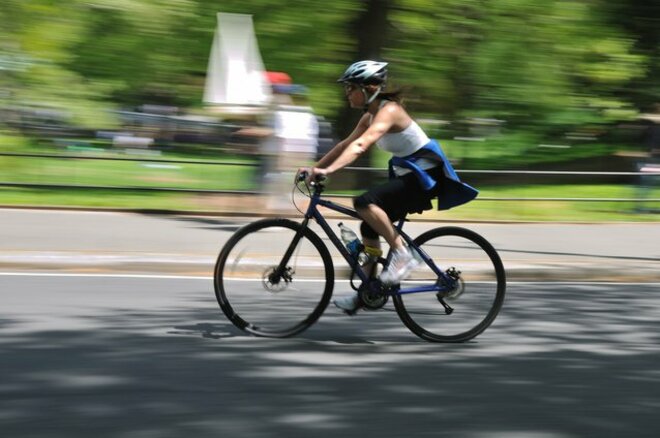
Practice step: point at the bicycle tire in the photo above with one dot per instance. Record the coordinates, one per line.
(234, 295)
(430, 321)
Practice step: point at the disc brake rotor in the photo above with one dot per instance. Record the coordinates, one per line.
(276, 284)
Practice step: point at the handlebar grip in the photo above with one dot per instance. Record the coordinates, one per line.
(302, 176)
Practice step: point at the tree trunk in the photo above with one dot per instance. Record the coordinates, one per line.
(370, 31)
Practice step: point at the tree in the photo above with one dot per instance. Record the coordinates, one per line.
(640, 20)
(542, 65)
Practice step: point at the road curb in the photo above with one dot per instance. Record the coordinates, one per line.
(296, 215)
(202, 266)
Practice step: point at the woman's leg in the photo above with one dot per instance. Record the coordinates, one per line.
(379, 207)
(380, 222)
(373, 250)
(382, 205)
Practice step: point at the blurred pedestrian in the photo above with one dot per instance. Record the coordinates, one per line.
(294, 140)
(419, 170)
(650, 166)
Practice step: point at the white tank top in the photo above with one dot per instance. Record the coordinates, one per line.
(404, 143)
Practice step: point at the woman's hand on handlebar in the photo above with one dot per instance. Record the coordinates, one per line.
(318, 174)
(302, 174)
(311, 175)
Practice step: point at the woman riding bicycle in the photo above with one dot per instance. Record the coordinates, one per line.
(419, 170)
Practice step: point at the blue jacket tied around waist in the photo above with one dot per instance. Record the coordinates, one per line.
(452, 191)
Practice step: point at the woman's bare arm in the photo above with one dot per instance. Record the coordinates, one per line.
(381, 124)
(336, 151)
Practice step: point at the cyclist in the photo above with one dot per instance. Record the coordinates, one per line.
(419, 170)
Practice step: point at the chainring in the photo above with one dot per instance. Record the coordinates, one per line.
(373, 296)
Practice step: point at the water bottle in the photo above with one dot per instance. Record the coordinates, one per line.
(350, 239)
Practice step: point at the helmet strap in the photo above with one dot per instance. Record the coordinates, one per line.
(369, 99)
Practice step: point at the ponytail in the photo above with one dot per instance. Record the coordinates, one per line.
(393, 96)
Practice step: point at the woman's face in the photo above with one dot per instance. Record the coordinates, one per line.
(354, 95)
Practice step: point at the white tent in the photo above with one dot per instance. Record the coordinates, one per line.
(235, 79)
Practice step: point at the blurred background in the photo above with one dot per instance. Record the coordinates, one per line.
(550, 107)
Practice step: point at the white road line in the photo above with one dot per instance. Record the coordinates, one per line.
(203, 277)
(587, 283)
(60, 274)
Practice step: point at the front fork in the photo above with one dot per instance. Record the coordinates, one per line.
(282, 271)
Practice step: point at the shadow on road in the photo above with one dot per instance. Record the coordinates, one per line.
(570, 363)
(207, 223)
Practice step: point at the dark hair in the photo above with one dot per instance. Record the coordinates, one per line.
(394, 96)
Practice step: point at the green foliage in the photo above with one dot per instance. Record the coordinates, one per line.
(541, 65)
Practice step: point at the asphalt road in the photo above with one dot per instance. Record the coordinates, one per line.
(122, 356)
(118, 353)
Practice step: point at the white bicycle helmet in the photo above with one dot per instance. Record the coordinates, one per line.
(365, 73)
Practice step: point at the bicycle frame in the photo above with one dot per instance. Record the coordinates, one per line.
(314, 213)
(283, 256)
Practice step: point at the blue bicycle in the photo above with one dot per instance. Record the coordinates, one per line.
(275, 277)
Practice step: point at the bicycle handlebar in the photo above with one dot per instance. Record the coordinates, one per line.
(302, 176)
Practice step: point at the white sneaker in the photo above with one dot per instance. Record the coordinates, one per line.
(349, 304)
(402, 263)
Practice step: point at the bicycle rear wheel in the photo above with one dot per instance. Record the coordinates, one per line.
(476, 298)
(260, 299)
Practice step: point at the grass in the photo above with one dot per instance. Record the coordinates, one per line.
(557, 210)
(572, 210)
(97, 199)
(477, 210)
(126, 173)
(229, 177)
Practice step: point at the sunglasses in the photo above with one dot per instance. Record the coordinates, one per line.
(349, 88)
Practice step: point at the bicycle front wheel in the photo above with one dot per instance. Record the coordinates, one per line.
(263, 296)
(475, 298)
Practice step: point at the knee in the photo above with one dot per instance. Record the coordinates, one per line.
(361, 202)
(368, 232)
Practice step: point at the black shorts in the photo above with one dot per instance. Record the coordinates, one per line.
(399, 197)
